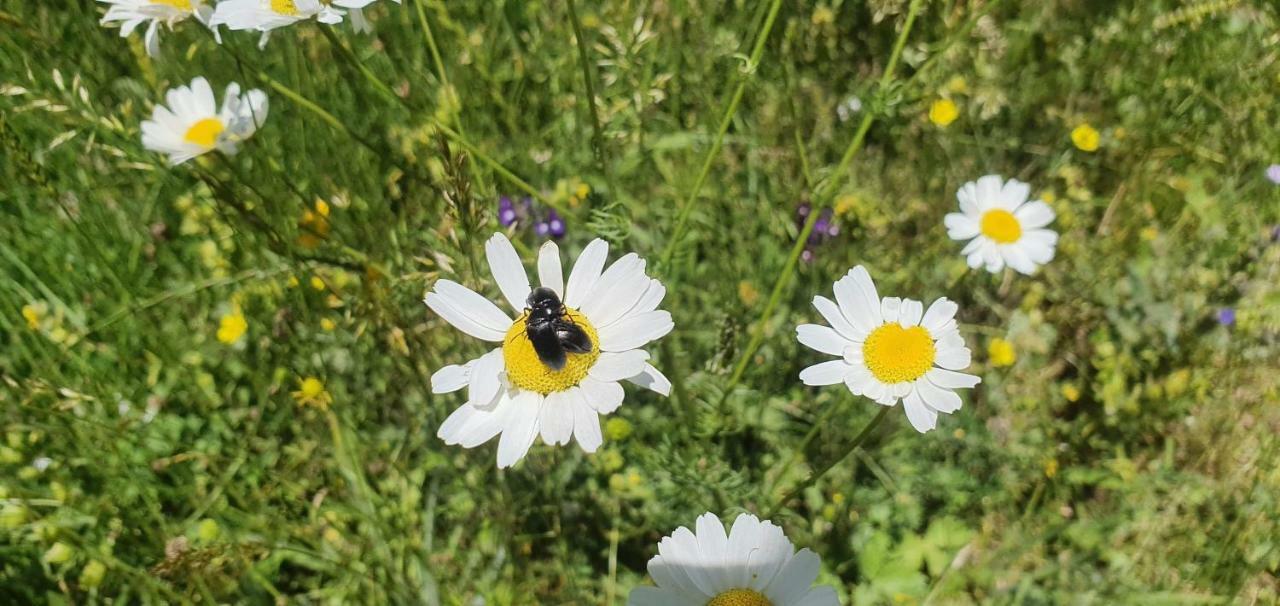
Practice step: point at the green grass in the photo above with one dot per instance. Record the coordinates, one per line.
(181, 468)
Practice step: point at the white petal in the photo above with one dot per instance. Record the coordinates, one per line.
(485, 382)
(1016, 258)
(586, 270)
(967, 195)
(822, 338)
(1033, 215)
(948, 379)
(1014, 193)
(822, 595)
(937, 398)
(507, 271)
(549, 272)
(652, 379)
(469, 426)
(463, 320)
(859, 380)
(939, 316)
(921, 417)
(825, 373)
(954, 358)
(713, 544)
(586, 424)
(831, 313)
(616, 366)
(521, 428)
(450, 378)
(910, 312)
(555, 421)
(655, 596)
(858, 300)
(1039, 245)
(889, 308)
(650, 300)
(772, 552)
(960, 226)
(795, 578)
(604, 396)
(988, 193)
(474, 304)
(635, 331)
(617, 291)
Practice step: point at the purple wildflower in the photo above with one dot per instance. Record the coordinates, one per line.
(1227, 316)
(1273, 173)
(551, 226)
(506, 212)
(824, 228)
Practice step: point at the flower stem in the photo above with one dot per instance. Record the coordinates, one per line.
(749, 70)
(597, 131)
(822, 199)
(857, 442)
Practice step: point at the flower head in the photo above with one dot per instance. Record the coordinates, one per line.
(825, 227)
(943, 112)
(1085, 138)
(311, 392)
(1001, 226)
(551, 226)
(520, 391)
(191, 125)
(506, 212)
(1227, 316)
(1273, 173)
(753, 564)
(266, 15)
(1001, 352)
(232, 326)
(890, 349)
(132, 13)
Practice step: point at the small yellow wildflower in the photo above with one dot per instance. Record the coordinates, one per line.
(328, 324)
(314, 225)
(92, 574)
(1001, 352)
(311, 392)
(32, 314)
(1085, 137)
(943, 112)
(232, 326)
(1051, 468)
(845, 204)
(1071, 392)
(292, 282)
(317, 283)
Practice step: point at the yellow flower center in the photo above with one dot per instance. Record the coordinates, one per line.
(311, 388)
(740, 597)
(527, 371)
(178, 4)
(895, 354)
(284, 7)
(1001, 226)
(205, 132)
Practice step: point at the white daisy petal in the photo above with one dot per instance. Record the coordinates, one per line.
(604, 396)
(507, 271)
(831, 313)
(825, 373)
(585, 272)
(922, 418)
(635, 331)
(550, 274)
(617, 291)
(650, 300)
(655, 596)
(480, 309)
(822, 338)
(450, 378)
(1016, 257)
(1034, 215)
(652, 379)
(617, 366)
(940, 316)
(822, 595)
(988, 193)
(484, 382)
(795, 578)
(960, 226)
(910, 312)
(948, 379)
(586, 424)
(858, 300)
(469, 426)
(521, 428)
(955, 358)
(555, 421)
(889, 308)
(713, 544)
(858, 380)
(937, 398)
(1014, 193)
(446, 308)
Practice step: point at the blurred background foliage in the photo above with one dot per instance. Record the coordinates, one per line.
(213, 378)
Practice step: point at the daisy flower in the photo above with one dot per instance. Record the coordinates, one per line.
(890, 349)
(754, 564)
(191, 125)
(132, 13)
(1001, 226)
(511, 391)
(267, 15)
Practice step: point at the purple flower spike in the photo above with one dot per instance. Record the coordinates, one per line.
(555, 225)
(1227, 316)
(506, 212)
(1273, 173)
